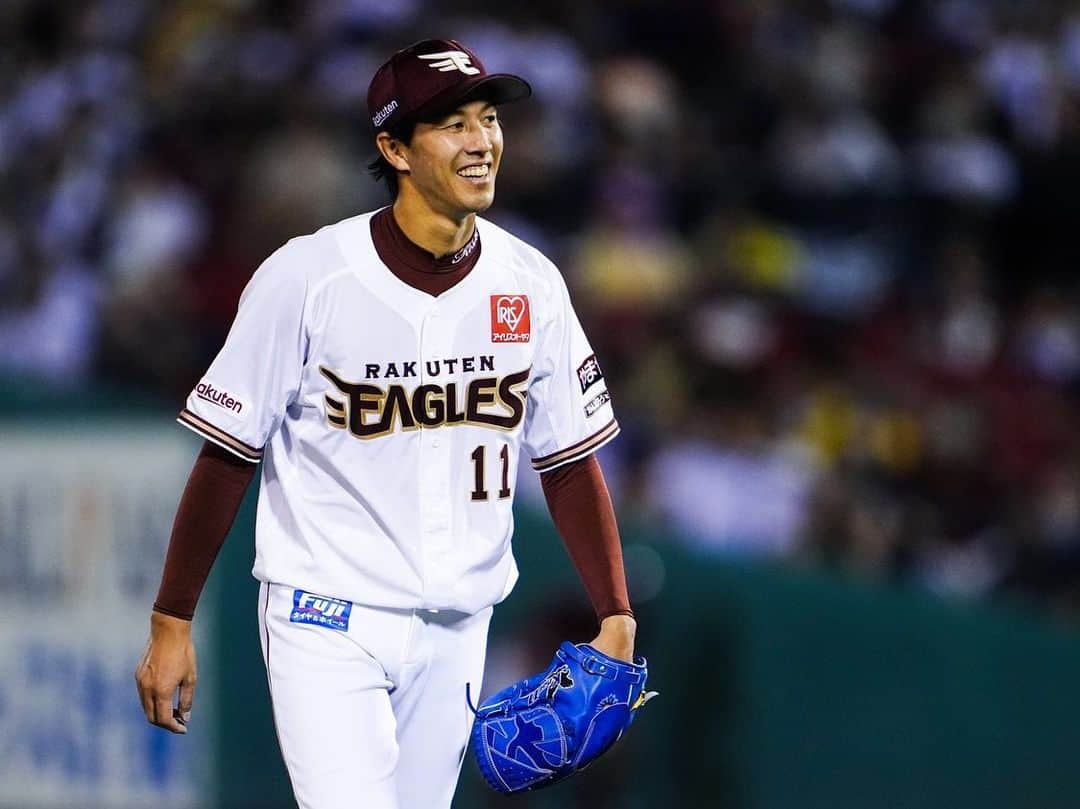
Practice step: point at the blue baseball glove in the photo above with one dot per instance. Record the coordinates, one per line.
(544, 728)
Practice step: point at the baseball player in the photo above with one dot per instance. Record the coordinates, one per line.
(386, 371)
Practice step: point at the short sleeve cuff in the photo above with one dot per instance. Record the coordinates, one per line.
(575, 452)
(219, 436)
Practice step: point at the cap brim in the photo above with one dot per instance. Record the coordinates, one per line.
(497, 88)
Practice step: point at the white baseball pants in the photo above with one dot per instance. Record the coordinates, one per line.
(375, 716)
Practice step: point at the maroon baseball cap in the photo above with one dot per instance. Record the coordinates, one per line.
(432, 77)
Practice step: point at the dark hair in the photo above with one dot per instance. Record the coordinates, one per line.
(380, 169)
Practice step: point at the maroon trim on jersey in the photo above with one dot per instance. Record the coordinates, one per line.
(207, 509)
(413, 264)
(219, 436)
(577, 451)
(578, 499)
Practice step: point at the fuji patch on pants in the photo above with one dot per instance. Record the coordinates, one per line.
(309, 608)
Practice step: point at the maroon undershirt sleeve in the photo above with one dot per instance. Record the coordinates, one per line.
(207, 509)
(580, 505)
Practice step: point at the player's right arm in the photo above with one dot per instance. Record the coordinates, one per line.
(166, 674)
(235, 407)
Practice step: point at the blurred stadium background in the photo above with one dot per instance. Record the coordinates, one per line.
(827, 252)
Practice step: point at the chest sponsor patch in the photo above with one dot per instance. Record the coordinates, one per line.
(589, 373)
(510, 321)
(597, 402)
(309, 608)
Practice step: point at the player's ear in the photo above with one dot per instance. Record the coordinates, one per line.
(392, 150)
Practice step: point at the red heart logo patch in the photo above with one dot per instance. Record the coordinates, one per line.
(510, 321)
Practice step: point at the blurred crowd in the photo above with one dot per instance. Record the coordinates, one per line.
(825, 249)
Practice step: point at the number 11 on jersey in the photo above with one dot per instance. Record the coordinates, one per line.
(480, 491)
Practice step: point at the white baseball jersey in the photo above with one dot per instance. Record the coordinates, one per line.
(389, 421)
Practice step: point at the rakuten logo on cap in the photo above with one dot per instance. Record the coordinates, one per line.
(384, 113)
(510, 321)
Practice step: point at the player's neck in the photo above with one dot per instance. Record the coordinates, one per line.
(437, 233)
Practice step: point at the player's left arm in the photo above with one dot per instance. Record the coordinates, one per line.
(568, 418)
(580, 505)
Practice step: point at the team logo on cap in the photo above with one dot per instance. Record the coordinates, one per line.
(510, 321)
(451, 60)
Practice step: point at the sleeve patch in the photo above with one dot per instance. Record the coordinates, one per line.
(218, 397)
(597, 402)
(589, 374)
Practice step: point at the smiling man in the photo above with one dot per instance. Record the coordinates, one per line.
(386, 371)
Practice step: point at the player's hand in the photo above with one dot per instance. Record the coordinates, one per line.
(167, 664)
(616, 638)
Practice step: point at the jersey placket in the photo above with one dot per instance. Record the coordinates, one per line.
(436, 334)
